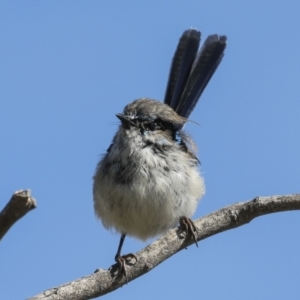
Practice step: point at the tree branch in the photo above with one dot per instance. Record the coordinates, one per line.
(18, 206)
(105, 281)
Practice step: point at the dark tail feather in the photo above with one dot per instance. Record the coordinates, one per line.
(206, 63)
(201, 71)
(181, 66)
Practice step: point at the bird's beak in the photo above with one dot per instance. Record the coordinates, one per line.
(126, 121)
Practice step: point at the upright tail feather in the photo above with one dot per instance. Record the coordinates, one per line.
(190, 72)
(181, 66)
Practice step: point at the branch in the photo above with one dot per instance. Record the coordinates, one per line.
(18, 206)
(105, 281)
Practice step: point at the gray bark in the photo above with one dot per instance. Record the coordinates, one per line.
(175, 240)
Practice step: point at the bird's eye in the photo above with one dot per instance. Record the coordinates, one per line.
(154, 125)
(151, 126)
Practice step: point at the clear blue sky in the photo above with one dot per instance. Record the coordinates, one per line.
(66, 68)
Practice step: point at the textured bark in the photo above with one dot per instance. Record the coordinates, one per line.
(17, 207)
(105, 281)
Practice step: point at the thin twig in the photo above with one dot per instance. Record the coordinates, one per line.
(17, 207)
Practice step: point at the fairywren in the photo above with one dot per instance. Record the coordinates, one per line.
(149, 179)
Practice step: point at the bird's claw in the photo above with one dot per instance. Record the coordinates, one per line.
(189, 227)
(122, 261)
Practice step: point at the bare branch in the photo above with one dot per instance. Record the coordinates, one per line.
(105, 281)
(18, 206)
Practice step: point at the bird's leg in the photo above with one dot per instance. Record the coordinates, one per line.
(189, 227)
(121, 259)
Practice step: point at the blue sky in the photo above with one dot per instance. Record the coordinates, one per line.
(67, 67)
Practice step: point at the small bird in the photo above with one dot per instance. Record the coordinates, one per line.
(149, 179)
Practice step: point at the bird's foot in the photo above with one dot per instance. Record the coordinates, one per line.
(123, 261)
(189, 227)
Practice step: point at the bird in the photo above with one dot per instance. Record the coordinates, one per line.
(148, 181)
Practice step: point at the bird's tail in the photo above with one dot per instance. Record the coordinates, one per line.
(191, 70)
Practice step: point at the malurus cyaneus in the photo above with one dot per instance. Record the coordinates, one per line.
(149, 179)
